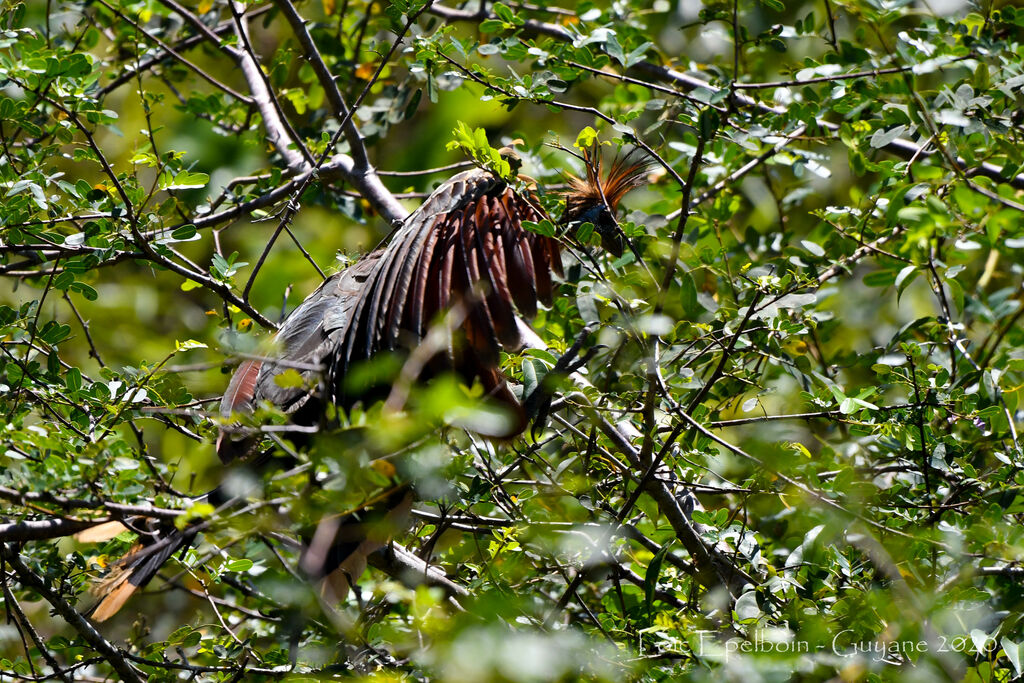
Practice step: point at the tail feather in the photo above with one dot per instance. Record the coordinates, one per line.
(159, 540)
(337, 554)
(337, 584)
(136, 569)
(114, 600)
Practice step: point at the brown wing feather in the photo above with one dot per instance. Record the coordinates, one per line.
(418, 306)
(347, 347)
(522, 278)
(241, 388)
(480, 332)
(113, 599)
(449, 251)
(390, 295)
(494, 253)
(467, 235)
(489, 222)
(541, 255)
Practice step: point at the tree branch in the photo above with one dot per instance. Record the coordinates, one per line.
(35, 530)
(904, 149)
(170, 51)
(89, 634)
(712, 568)
(327, 81)
(116, 509)
(279, 131)
(160, 56)
(396, 561)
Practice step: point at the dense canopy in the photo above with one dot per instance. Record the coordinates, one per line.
(775, 411)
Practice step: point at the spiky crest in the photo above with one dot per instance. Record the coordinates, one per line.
(626, 173)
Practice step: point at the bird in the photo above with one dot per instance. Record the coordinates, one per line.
(466, 247)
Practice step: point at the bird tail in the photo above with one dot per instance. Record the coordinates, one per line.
(158, 541)
(338, 553)
(137, 568)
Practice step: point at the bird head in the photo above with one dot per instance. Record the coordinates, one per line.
(594, 199)
(511, 156)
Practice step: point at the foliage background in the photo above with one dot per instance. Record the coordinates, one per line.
(794, 451)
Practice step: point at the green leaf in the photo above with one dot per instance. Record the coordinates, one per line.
(883, 137)
(707, 123)
(73, 380)
(503, 12)
(543, 355)
(530, 376)
(188, 345)
(614, 50)
(586, 303)
(637, 54)
(651, 578)
(183, 180)
(85, 290)
(289, 379)
(1013, 652)
(185, 232)
(904, 278)
(122, 464)
(475, 144)
(813, 247)
(544, 227)
(584, 232)
(746, 608)
(687, 292)
(239, 565)
(63, 280)
(586, 138)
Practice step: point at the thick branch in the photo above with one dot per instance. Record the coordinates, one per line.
(273, 121)
(35, 530)
(398, 562)
(116, 509)
(355, 170)
(326, 78)
(709, 562)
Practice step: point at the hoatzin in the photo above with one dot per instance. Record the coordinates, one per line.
(464, 246)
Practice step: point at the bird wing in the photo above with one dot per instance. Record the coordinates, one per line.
(466, 244)
(303, 342)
